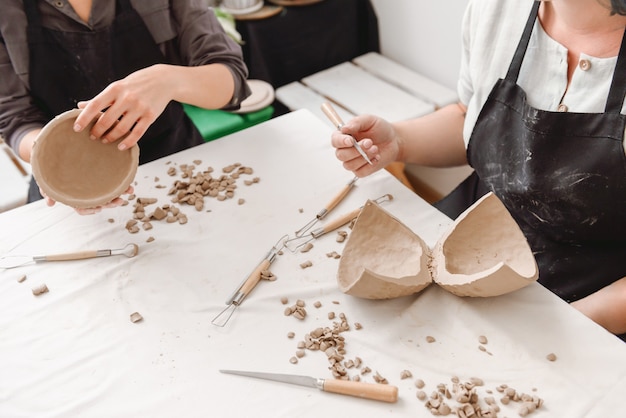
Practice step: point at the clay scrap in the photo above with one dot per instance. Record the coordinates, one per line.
(484, 253)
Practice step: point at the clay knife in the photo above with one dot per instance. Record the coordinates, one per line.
(374, 391)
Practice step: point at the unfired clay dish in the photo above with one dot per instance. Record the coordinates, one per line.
(484, 253)
(80, 172)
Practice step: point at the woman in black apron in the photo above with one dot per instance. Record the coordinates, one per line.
(68, 67)
(569, 197)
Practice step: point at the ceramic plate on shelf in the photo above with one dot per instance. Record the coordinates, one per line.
(264, 12)
(262, 96)
(243, 11)
(294, 2)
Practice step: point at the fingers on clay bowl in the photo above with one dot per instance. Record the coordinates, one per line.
(382, 258)
(80, 172)
(484, 253)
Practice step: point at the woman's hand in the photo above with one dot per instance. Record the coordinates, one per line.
(377, 138)
(118, 201)
(127, 107)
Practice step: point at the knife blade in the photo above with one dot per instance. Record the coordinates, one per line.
(374, 391)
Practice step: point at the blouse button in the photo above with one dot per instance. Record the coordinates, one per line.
(58, 3)
(562, 108)
(584, 65)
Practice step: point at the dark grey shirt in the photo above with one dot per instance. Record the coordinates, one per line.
(186, 31)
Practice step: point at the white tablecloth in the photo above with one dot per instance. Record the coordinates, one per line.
(73, 352)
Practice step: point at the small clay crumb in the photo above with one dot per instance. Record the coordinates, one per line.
(482, 339)
(430, 339)
(300, 210)
(293, 360)
(241, 201)
(110, 220)
(421, 395)
(306, 247)
(291, 334)
(419, 383)
(21, 278)
(306, 264)
(284, 300)
(551, 357)
(357, 325)
(317, 304)
(336, 302)
(341, 236)
(405, 374)
(135, 317)
(39, 290)
(150, 239)
(300, 353)
(331, 315)
(379, 379)
(333, 254)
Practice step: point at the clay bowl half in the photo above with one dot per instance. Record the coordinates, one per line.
(80, 172)
(382, 258)
(484, 253)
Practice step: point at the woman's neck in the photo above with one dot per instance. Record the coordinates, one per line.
(583, 26)
(82, 9)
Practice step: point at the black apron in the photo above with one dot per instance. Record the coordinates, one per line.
(562, 176)
(68, 67)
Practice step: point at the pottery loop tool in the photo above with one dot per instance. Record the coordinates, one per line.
(12, 261)
(296, 243)
(248, 284)
(330, 206)
(373, 391)
(334, 117)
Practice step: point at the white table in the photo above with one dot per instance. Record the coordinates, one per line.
(73, 352)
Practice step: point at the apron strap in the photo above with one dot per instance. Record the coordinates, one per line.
(618, 86)
(124, 5)
(516, 62)
(32, 13)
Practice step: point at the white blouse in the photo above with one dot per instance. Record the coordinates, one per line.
(491, 32)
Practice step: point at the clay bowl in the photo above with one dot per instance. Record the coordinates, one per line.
(80, 172)
(484, 253)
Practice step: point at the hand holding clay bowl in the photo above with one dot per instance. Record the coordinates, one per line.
(80, 172)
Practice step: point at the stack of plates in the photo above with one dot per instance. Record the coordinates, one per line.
(262, 96)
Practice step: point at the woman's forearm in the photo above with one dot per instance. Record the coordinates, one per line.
(607, 306)
(435, 139)
(209, 86)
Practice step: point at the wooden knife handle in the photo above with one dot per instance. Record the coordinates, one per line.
(374, 391)
(336, 200)
(341, 221)
(332, 114)
(81, 255)
(254, 277)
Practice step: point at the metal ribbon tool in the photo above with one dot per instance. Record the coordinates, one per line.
(329, 227)
(330, 206)
(13, 261)
(248, 284)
